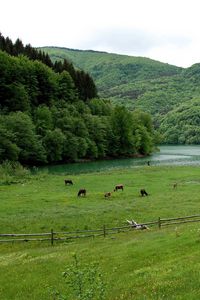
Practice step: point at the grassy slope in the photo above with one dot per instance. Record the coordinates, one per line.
(137, 265)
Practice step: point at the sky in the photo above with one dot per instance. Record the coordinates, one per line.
(164, 30)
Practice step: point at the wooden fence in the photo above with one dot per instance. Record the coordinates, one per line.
(53, 236)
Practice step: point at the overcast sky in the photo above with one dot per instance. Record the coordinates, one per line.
(164, 30)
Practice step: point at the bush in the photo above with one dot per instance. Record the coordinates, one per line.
(84, 281)
(12, 172)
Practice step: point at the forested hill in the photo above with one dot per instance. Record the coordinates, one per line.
(50, 113)
(110, 70)
(170, 94)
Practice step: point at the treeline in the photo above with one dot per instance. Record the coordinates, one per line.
(43, 119)
(84, 83)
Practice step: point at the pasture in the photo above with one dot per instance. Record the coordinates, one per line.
(154, 264)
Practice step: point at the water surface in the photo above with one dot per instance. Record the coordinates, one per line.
(168, 155)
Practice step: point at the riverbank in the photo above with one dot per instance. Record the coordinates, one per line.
(166, 156)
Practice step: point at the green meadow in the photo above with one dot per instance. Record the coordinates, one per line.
(149, 264)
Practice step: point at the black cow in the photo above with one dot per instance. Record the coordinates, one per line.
(143, 192)
(68, 181)
(82, 192)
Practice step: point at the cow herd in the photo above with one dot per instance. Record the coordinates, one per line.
(82, 192)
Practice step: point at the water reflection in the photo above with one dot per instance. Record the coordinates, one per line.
(168, 155)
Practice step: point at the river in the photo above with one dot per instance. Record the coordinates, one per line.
(168, 155)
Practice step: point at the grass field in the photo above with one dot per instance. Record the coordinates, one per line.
(154, 264)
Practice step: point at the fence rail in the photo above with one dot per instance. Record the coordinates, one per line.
(65, 236)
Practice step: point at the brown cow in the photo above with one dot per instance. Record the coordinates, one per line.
(108, 194)
(82, 192)
(119, 187)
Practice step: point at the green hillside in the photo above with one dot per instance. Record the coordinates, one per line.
(50, 112)
(110, 70)
(137, 82)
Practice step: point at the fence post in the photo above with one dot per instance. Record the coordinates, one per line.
(104, 230)
(159, 223)
(51, 237)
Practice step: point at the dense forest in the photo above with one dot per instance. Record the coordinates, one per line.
(50, 112)
(165, 91)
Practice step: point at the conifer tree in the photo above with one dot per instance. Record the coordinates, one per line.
(18, 47)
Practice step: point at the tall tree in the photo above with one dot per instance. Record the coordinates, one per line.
(18, 47)
(66, 87)
(47, 84)
(29, 144)
(54, 143)
(121, 123)
(85, 85)
(8, 148)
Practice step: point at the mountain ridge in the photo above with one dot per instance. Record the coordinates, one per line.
(106, 52)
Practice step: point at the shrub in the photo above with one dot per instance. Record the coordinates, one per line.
(12, 172)
(84, 281)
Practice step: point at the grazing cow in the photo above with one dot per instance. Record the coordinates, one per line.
(137, 226)
(82, 192)
(108, 194)
(143, 192)
(119, 187)
(68, 181)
